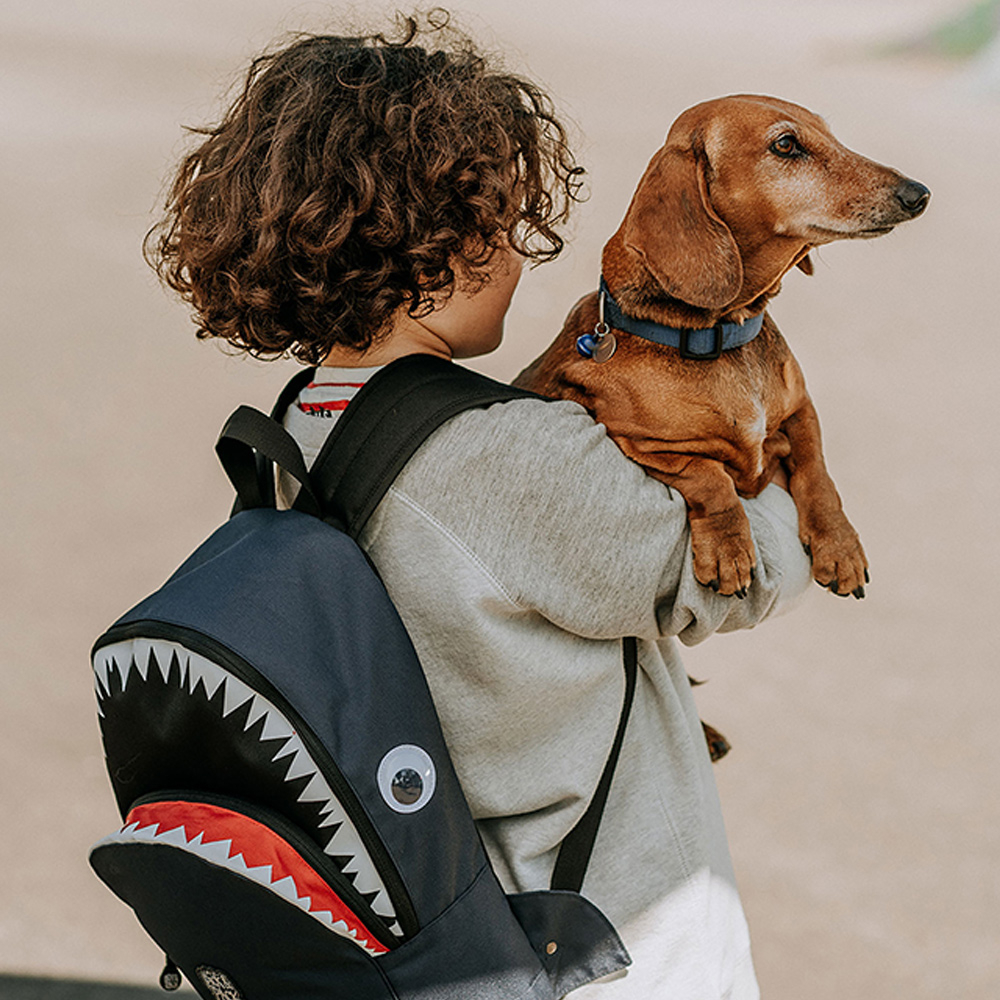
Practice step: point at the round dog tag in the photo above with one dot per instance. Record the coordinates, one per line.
(606, 348)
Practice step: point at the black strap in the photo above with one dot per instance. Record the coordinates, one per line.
(248, 431)
(385, 423)
(574, 853)
(294, 386)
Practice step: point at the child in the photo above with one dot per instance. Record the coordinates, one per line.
(364, 199)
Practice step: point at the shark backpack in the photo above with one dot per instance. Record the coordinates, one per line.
(293, 828)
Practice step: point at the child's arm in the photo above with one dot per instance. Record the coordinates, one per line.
(574, 531)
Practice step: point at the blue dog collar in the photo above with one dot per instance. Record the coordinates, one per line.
(704, 344)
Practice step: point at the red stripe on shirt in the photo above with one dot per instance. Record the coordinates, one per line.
(334, 404)
(339, 385)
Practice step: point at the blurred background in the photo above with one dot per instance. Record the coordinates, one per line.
(862, 794)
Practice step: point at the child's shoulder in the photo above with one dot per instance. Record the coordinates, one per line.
(522, 448)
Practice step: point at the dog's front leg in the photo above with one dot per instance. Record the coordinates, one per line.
(721, 540)
(838, 560)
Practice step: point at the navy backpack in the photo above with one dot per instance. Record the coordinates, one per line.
(293, 826)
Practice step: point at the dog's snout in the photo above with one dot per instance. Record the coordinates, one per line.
(913, 196)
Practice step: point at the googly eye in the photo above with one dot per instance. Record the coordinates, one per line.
(406, 778)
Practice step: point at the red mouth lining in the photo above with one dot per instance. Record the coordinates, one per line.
(259, 845)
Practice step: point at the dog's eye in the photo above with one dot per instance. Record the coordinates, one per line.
(787, 146)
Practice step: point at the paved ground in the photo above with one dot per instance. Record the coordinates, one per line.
(861, 797)
(42, 988)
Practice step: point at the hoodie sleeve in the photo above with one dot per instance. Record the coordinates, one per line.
(572, 530)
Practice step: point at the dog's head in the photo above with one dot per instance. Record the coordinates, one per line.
(743, 188)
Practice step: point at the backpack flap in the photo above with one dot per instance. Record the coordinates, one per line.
(244, 913)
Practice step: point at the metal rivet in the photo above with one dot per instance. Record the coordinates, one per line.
(550, 948)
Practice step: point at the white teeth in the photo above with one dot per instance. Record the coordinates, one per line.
(118, 656)
(202, 669)
(141, 648)
(196, 669)
(177, 837)
(300, 766)
(383, 907)
(317, 790)
(236, 694)
(332, 814)
(236, 862)
(218, 851)
(275, 726)
(257, 709)
(286, 887)
(262, 874)
(103, 661)
(395, 928)
(367, 878)
(293, 745)
(344, 842)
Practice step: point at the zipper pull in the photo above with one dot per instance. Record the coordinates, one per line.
(170, 977)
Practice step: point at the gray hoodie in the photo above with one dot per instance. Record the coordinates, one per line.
(519, 545)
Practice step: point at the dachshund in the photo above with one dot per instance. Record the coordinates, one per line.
(676, 354)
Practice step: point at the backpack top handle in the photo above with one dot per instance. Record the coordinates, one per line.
(246, 432)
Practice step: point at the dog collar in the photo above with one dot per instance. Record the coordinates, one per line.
(705, 344)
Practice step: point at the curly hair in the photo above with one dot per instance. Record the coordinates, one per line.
(355, 175)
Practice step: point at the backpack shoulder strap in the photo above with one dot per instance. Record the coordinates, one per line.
(385, 423)
(578, 845)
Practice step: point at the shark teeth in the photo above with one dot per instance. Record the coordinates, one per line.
(221, 854)
(125, 660)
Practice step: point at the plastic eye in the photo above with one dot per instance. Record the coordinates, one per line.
(406, 778)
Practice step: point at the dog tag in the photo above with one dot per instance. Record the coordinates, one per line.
(605, 348)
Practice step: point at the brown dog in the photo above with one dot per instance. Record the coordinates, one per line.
(743, 189)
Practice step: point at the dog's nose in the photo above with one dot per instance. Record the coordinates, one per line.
(913, 196)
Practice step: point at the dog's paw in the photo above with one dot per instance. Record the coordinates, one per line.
(718, 745)
(724, 557)
(838, 560)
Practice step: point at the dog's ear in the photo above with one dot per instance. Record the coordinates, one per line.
(805, 264)
(672, 226)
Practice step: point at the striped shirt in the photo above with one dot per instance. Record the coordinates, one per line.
(320, 403)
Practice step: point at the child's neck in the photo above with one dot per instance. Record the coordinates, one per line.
(407, 336)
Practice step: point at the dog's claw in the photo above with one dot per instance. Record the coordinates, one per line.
(714, 584)
(868, 579)
(858, 592)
